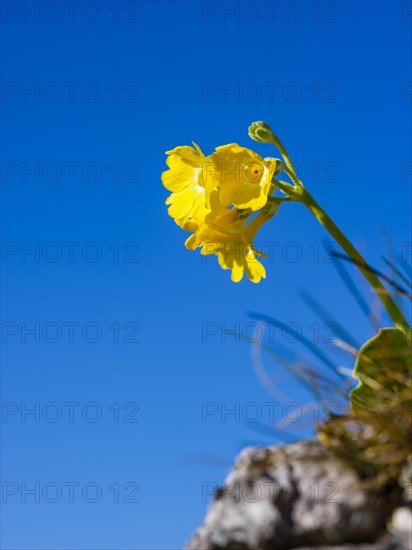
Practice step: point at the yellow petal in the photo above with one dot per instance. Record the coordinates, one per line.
(192, 242)
(181, 203)
(185, 166)
(254, 269)
(237, 272)
(243, 177)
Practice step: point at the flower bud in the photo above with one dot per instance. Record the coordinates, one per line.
(262, 132)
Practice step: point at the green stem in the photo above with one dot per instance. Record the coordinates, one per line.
(299, 193)
(390, 305)
(285, 187)
(289, 169)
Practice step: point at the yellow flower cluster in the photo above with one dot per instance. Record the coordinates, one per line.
(214, 196)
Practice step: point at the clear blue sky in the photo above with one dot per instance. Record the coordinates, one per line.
(128, 323)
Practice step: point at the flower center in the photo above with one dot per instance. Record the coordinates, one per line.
(253, 172)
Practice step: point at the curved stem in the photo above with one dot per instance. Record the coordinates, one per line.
(390, 305)
(285, 187)
(282, 149)
(290, 171)
(299, 193)
(288, 168)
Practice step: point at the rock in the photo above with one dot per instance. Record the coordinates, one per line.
(405, 481)
(401, 527)
(291, 496)
(402, 520)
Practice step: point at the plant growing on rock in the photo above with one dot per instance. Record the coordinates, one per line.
(223, 200)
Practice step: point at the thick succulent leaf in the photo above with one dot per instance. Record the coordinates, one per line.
(384, 370)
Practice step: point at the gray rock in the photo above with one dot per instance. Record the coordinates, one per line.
(291, 496)
(406, 482)
(401, 528)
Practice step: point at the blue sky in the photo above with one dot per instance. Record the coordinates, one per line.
(127, 365)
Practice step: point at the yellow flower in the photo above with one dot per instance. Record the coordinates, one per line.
(185, 180)
(227, 236)
(242, 176)
(214, 196)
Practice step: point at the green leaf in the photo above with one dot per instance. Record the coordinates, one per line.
(383, 368)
